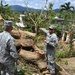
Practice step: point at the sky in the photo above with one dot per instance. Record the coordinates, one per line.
(38, 4)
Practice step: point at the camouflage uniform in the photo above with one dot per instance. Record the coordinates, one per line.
(50, 50)
(8, 54)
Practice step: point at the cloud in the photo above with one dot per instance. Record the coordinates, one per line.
(73, 3)
(14, 2)
(38, 4)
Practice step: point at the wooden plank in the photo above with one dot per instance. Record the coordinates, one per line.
(61, 70)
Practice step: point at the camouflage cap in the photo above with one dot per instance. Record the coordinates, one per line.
(52, 27)
(8, 23)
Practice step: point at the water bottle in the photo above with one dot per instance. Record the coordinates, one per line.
(18, 68)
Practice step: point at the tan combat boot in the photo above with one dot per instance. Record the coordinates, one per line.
(46, 72)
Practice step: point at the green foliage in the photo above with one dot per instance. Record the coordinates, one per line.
(28, 68)
(5, 16)
(66, 10)
(41, 47)
(24, 71)
(62, 54)
(21, 72)
(1, 29)
(66, 62)
(65, 54)
(67, 7)
(50, 6)
(5, 10)
(59, 30)
(1, 26)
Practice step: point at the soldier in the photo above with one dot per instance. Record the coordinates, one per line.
(8, 53)
(50, 48)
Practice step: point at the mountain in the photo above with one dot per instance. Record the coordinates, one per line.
(21, 8)
(57, 10)
(27, 9)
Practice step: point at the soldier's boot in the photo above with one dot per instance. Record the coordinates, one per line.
(52, 74)
(46, 72)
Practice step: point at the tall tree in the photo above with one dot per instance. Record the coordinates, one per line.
(67, 9)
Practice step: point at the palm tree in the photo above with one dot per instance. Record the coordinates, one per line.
(66, 7)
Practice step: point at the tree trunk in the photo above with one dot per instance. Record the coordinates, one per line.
(68, 38)
(63, 36)
(41, 64)
(31, 56)
(24, 42)
(34, 57)
(22, 34)
(38, 50)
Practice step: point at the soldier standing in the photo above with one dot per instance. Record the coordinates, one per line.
(50, 48)
(8, 53)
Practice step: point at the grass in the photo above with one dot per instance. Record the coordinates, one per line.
(28, 68)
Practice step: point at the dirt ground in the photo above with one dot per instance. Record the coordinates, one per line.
(68, 64)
